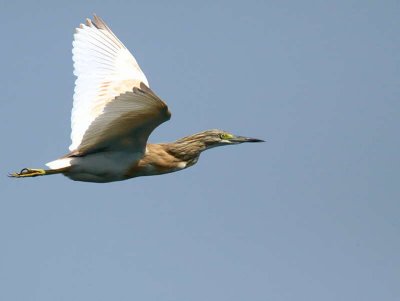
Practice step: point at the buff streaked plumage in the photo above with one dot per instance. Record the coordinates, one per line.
(114, 112)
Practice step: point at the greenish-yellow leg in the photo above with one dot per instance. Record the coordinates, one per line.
(28, 172)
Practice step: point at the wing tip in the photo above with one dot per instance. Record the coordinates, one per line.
(96, 22)
(99, 22)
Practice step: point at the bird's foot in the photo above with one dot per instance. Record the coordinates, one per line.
(27, 172)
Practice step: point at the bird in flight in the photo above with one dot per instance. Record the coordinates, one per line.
(114, 112)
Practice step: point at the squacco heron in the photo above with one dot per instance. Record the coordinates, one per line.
(114, 112)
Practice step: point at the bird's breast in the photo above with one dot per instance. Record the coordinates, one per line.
(155, 161)
(144, 168)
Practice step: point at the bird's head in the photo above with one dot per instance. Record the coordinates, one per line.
(213, 138)
(191, 146)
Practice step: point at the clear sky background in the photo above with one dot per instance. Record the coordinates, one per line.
(312, 214)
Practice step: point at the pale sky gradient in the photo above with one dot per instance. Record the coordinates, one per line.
(312, 214)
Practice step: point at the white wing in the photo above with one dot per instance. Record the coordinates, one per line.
(124, 126)
(104, 70)
(126, 123)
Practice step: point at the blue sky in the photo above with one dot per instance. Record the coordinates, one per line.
(312, 214)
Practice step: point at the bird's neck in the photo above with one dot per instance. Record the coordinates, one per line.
(187, 149)
(168, 157)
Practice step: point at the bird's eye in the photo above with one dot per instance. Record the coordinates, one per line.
(225, 136)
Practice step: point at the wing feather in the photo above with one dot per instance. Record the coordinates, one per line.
(104, 70)
(126, 123)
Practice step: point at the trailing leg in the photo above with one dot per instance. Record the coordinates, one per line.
(28, 172)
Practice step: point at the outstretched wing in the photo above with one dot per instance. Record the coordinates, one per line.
(126, 123)
(104, 69)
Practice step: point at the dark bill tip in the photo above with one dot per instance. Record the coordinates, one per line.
(254, 140)
(241, 139)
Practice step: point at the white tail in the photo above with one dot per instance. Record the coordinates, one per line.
(59, 163)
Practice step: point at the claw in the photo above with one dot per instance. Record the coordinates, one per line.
(24, 171)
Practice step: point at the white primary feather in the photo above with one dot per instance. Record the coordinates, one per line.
(104, 70)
